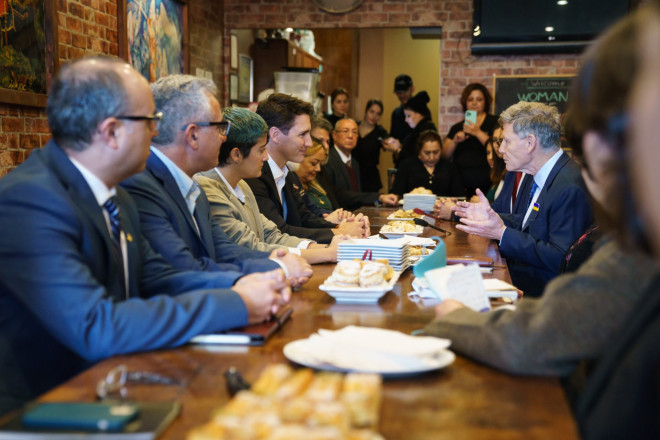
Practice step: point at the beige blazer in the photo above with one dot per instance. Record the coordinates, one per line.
(244, 224)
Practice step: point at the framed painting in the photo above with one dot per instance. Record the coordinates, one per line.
(28, 51)
(154, 36)
(233, 52)
(244, 78)
(233, 87)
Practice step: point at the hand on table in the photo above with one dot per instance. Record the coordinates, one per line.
(388, 199)
(263, 294)
(338, 215)
(300, 271)
(443, 208)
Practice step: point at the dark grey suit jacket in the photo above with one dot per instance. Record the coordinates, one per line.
(336, 175)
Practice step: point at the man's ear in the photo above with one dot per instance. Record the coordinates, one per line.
(191, 134)
(532, 143)
(274, 134)
(107, 131)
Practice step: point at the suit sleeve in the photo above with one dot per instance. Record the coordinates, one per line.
(270, 210)
(54, 239)
(347, 199)
(568, 216)
(574, 319)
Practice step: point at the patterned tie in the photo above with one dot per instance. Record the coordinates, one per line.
(113, 212)
(531, 194)
(115, 227)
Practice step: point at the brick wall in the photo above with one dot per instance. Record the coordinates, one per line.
(458, 67)
(90, 27)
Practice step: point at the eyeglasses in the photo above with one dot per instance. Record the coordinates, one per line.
(222, 127)
(154, 119)
(347, 131)
(114, 384)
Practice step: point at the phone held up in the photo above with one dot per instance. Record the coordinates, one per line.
(471, 116)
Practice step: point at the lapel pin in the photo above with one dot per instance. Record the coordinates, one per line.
(536, 207)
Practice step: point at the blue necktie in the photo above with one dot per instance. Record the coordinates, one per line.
(113, 212)
(531, 195)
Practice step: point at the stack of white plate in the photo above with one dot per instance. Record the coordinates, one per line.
(395, 251)
(424, 202)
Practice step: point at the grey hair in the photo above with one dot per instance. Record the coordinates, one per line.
(182, 99)
(535, 118)
(84, 93)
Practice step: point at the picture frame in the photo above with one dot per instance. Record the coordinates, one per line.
(233, 87)
(244, 78)
(233, 52)
(144, 37)
(30, 57)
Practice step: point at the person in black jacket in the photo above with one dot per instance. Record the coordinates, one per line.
(418, 117)
(288, 120)
(428, 170)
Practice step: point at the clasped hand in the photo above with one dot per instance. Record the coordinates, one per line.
(263, 294)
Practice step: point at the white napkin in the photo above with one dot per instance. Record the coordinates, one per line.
(374, 349)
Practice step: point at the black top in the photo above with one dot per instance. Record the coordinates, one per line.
(367, 153)
(399, 128)
(408, 149)
(444, 181)
(470, 157)
(332, 118)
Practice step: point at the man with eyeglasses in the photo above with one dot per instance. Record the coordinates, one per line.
(550, 213)
(343, 173)
(174, 211)
(79, 281)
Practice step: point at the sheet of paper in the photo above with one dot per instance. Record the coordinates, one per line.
(462, 283)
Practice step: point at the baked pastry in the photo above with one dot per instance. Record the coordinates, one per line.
(362, 395)
(271, 379)
(347, 273)
(421, 190)
(372, 274)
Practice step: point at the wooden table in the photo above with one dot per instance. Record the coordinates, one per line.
(464, 401)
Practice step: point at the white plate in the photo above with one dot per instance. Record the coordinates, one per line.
(401, 234)
(298, 352)
(405, 219)
(362, 295)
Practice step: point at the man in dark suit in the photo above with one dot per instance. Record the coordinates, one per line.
(342, 170)
(78, 282)
(174, 212)
(289, 126)
(556, 206)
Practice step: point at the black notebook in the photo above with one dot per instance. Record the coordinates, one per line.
(151, 421)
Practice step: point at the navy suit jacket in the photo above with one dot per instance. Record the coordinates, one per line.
(62, 306)
(300, 221)
(336, 175)
(169, 227)
(534, 253)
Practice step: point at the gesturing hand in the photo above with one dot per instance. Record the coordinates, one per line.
(479, 218)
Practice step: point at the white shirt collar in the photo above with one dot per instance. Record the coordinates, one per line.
(344, 158)
(544, 172)
(236, 191)
(278, 172)
(188, 187)
(99, 189)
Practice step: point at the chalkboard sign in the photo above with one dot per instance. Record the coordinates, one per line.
(510, 89)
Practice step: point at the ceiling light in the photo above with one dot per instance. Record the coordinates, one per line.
(549, 29)
(562, 2)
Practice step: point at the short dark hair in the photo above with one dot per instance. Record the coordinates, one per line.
(246, 129)
(320, 122)
(280, 110)
(377, 102)
(488, 99)
(427, 136)
(84, 93)
(499, 166)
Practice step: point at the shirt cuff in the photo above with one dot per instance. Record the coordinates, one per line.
(502, 237)
(304, 244)
(295, 251)
(282, 265)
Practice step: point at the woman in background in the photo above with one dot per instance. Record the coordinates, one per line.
(496, 164)
(466, 142)
(372, 137)
(428, 169)
(339, 104)
(307, 172)
(418, 117)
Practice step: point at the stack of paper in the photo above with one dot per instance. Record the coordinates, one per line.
(396, 252)
(424, 202)
(459, 282)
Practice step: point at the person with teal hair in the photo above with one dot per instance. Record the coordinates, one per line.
(233, 205)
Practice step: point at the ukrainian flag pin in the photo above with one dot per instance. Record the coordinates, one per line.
(129, 238)
(535, 207)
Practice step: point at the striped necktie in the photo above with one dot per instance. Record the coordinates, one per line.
(113, 212)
